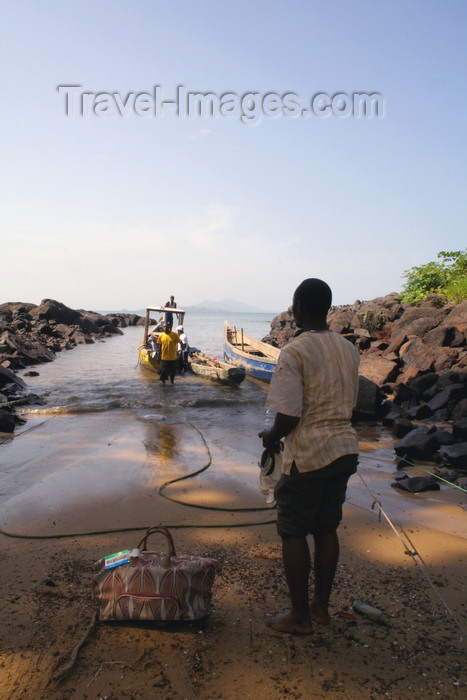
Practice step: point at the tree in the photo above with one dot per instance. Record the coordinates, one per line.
(447, 277)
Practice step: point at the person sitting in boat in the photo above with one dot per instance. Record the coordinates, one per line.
(169, 342)
(153, 335)
(171, 304)
(184, 349)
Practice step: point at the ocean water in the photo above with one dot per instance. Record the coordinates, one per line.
(105, 382)
(106, 375)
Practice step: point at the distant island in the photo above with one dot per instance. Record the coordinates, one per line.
(224, 306)
(227, 305)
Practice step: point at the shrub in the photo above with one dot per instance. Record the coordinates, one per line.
(447, 277)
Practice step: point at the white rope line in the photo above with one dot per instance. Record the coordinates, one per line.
(412, 552)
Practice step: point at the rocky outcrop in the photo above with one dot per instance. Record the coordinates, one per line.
(413, 368)
(31, 334)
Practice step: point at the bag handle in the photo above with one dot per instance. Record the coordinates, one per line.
(164, 531)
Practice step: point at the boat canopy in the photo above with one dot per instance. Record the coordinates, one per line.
(179, 313)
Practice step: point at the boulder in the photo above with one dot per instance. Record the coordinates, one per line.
(460, 410)
(447, 398)
(7, 421)
(55, 311)
(369, 400)
(418, 320)
(401, 427)
(455, 456)
(417, 484)
(458, 317)
(378, 369)
(418, 444)
(417, 354)
(9, 377)
(459, 429)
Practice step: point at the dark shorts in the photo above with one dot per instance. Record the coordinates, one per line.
(311, 503)
(168, 369)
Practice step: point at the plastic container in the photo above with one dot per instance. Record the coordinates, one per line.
(268, 420)
(374, 614)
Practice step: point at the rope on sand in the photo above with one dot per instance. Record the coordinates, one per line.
(176, 526)
(409, 547)
(411, 551)
(193, 474)
(66, 668)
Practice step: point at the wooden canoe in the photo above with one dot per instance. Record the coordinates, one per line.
(217, 371)
(258, 359)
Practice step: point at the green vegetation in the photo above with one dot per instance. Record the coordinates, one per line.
(374, 320)
(447, 277)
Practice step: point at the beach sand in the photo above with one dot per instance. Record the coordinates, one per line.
(98, 472)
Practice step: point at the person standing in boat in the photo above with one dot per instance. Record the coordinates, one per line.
(313, 391)
(184, 349)
(169, 342)
(171, 304)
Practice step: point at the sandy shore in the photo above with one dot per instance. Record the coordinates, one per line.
(46, 607)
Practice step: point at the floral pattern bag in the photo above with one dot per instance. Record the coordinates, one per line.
(148, 585)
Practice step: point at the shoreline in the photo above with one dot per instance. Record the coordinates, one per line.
(47, 606)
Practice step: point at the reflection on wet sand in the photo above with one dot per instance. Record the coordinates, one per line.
(161, 442)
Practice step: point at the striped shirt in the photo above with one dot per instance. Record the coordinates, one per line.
(316, 379)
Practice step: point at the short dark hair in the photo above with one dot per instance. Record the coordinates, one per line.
(315, 295)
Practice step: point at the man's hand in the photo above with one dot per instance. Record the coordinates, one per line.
(283, 425)
(269, 442)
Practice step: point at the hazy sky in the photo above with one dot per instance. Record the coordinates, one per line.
(103, 211)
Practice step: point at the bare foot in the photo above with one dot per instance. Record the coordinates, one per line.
(319, 616)
(289, 622)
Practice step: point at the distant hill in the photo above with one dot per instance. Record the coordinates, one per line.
(228, 305)
(224, 306)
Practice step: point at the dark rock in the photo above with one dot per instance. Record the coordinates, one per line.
(420, 412)
(55, 311)
(456, 456)
(417, 444)
(459, 429)
(362, 343)
(417, 484)
(448, 398)
(423, 382)
(452, 377)
(81, 338)
(9, 377)
(369, 400)
(403, 392)
(442, 415)
(444, 437)
(401, 426)
(7, 421)
(460, 410)
(390, 417)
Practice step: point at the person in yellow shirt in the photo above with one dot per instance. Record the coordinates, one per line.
(169, 342)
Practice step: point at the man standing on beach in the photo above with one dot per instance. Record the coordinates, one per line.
(313, 391)
(169, 342)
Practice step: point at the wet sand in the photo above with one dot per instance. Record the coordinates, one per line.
(74, 475)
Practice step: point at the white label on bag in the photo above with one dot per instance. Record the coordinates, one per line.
(113, 560)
